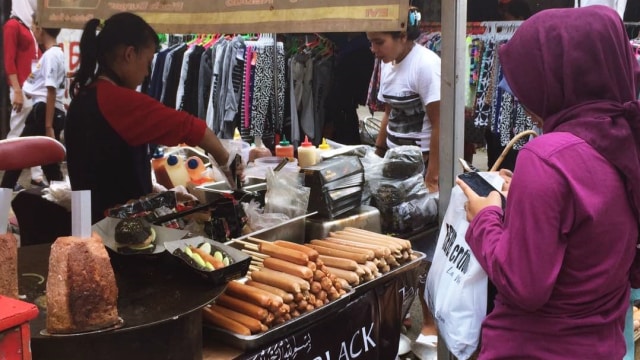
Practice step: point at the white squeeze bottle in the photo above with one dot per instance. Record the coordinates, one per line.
(306, 153)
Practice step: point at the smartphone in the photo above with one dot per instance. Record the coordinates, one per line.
(481, 186)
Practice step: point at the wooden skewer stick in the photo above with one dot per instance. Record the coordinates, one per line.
(256, 254)
(243, 242)
(257, 240)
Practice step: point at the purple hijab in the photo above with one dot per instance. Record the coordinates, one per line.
(576, 69)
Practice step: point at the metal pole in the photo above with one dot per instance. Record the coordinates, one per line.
(454, 21)
(454, 27)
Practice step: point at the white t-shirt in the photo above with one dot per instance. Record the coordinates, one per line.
(48, 72)
(408, 87)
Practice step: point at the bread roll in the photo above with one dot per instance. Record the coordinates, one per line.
(82, 293)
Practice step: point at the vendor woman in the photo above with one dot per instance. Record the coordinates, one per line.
(110, 125)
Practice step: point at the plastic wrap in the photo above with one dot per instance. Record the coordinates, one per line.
(397, 189)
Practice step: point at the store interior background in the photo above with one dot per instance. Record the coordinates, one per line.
(477, 10)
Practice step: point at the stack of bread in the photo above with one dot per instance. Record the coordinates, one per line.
(82, 293)
(9, 265)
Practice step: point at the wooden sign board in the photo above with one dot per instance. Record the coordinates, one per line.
(235, 16)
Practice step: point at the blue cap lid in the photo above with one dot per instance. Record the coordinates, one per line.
(172, 160)
(192, 164)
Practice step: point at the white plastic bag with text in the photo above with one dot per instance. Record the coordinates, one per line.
(456, 289)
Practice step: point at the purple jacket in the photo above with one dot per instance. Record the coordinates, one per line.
(561, 259)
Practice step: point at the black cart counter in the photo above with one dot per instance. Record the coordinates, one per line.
(367, 327)
(158, 300)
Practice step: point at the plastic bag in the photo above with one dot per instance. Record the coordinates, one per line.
(397, 189)
(285, 194)
(257, 219)
(59, 192)
(456, 289)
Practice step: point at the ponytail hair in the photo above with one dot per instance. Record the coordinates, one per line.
(97, 52)
(86, 72)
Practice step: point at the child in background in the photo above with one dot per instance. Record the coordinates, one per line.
(45, 87)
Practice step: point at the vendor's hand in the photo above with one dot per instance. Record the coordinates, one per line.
(431, 181)
(475, 203)
(49, 132)
(380, 151)
(231, 168)
(18, 101)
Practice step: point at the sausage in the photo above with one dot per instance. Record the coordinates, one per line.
(394, 247)
(280, 280)
(357, 257)
(217, 264)
(369, 253)
(294, 269)
(351, 277)
(373, 267)
(311, 253)
(253, 295)
(286, 296)
(242, 306)
(406, 244)
(340, 263)
(253, 324)
(378, 250)
(280, 252)
(224, 322)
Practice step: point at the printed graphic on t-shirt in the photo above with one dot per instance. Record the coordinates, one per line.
(406, 119)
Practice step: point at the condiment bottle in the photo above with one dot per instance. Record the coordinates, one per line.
(284, 149)
(322, 147)
(258, 151)
(158, 164)
(306, 153)
(195, 169)
(177, 171)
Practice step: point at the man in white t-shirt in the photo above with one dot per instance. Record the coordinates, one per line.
(410, 89)
(45, 88)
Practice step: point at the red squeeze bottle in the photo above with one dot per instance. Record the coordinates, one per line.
(284, 149)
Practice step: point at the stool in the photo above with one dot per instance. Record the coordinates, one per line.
(15, 335)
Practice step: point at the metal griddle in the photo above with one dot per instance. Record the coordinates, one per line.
(159, 301)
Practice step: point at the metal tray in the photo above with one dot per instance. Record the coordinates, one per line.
(249, 342)
(411, 265)
(236, 269)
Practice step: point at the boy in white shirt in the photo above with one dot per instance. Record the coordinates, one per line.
(45, 87)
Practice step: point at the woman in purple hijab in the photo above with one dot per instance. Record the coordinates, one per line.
(562, 254)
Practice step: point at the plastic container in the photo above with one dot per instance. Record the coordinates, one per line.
(307, 153)
(196, 169)
(177, 171)
(260, 165)
(158, 164)
(284, 149)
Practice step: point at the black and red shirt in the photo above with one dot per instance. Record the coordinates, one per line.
(107, 134)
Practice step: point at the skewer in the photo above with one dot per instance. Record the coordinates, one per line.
(257, 240)
(256, 254)
(245, 243)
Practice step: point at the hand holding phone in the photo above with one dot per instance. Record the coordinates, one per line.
(480, 186)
